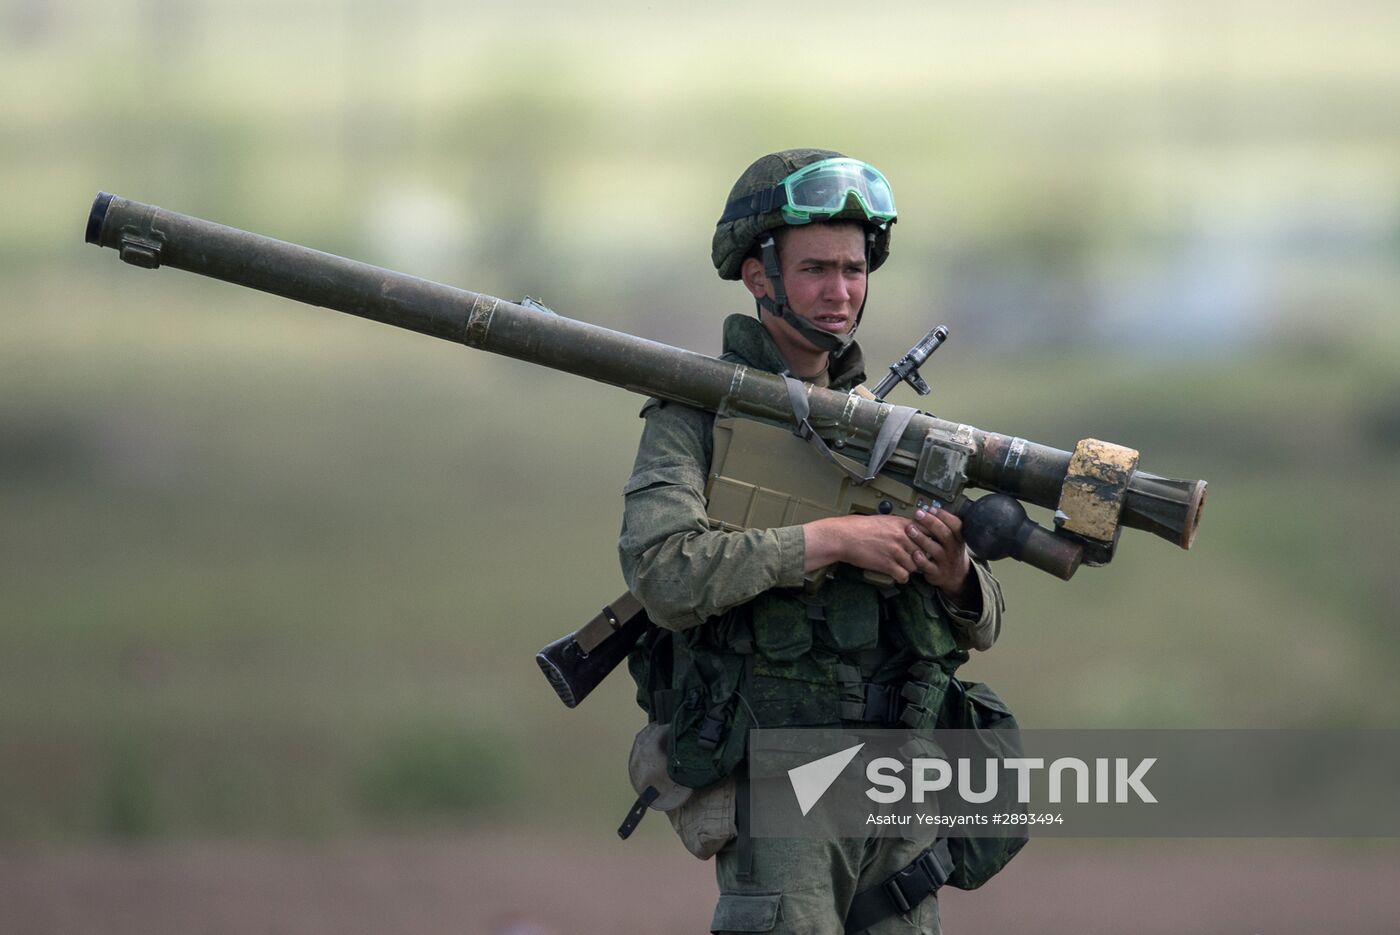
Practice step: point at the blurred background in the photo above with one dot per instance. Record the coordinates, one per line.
(271, 579)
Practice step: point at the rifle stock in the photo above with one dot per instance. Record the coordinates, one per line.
(575, 664)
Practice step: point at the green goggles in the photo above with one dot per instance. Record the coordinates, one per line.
(820, 191)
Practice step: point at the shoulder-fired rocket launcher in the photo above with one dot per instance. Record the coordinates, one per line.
(875, 457)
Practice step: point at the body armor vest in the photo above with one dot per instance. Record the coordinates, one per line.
(850, 651)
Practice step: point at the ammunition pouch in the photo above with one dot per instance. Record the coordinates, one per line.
(917, 611)
(707, 820)
(786, 659)
(913, 703)
(692, 681)
(972, 706)
(779, 660)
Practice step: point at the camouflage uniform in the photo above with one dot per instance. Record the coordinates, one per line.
(688, 576)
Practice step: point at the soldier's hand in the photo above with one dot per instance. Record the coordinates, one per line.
(941, 554)
(874, 543)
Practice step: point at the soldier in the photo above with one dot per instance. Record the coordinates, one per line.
(741, 643)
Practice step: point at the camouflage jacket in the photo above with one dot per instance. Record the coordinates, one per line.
(685, 573)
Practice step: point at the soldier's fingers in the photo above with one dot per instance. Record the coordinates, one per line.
(927, 566)
(933, 524)
(950, 520)
(905, 558)
(928, 543)
(918, 534)
(898, 572)
(953, 538)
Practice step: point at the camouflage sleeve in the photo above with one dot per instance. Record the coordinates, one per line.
(978, 631)
(682, 571)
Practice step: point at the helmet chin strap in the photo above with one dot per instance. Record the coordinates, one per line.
(778, 305)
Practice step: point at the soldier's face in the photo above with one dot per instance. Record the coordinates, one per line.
(824, 272)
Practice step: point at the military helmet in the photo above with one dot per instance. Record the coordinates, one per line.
(749, 214)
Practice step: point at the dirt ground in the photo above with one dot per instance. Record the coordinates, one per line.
(498, 885)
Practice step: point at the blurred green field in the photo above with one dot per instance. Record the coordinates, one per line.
(268, 572)
(271, 570)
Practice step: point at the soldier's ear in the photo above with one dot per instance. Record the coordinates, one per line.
(755, 280)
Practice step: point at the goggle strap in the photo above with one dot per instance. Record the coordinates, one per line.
(764, 202)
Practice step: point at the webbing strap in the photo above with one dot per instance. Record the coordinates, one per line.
(778, 305)
(902, 891)
(774, 271)
(886, 439)
(743, 823)
(852, 692)
(637, 812)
